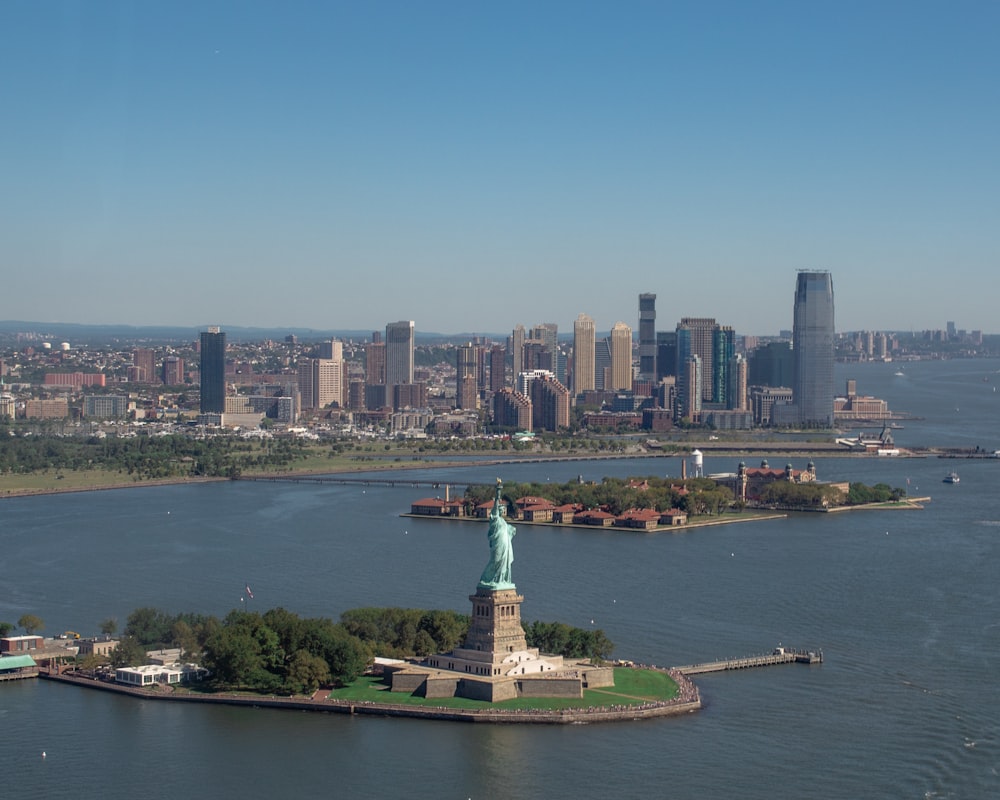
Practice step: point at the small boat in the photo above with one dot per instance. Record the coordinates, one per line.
(951, 477)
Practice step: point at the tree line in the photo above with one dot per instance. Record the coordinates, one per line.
(278, 652)
(144, 457)
(818, 495)
(694, 496)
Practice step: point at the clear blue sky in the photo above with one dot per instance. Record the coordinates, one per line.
(474, 165)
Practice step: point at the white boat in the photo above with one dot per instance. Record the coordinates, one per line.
(951, 477)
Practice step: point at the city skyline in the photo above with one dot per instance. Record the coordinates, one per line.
(328, 166)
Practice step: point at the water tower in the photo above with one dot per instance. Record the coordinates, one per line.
(699, 463)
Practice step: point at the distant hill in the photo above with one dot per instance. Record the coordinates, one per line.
(94, 335)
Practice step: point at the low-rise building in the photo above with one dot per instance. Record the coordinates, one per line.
(21, 644)
(97, 647)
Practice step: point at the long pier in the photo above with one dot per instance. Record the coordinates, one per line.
(780, 655)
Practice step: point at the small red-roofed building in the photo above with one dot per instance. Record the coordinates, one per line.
(437, 507)
(673, 516)
(642, 518)
(594, 517)
(565, 513)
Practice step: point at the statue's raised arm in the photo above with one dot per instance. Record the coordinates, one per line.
(496, 575)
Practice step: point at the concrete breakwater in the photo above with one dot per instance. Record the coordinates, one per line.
(687, 700)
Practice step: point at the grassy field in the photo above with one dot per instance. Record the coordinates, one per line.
(318, 459)
(632, 687)
(69, 481)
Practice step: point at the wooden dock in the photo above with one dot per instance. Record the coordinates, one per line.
(780, 655)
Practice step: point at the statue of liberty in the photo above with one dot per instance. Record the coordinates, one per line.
(501, 535)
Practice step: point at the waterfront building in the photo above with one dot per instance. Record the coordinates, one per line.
(812, 348)
(647, 337)
(584, 348)
(213, 371)
(859, 408)
(621, 358)
(764, 399)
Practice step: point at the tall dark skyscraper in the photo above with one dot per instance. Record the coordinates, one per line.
(213, 371)
(399, 338)
(647, 337)
(812, 349)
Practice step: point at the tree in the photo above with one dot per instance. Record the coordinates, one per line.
(233, 656)
(31, 623)
(109, 627)
(183, 636)
(306, 673)
(91, 662)
(150, 626)
(6, 628)
(128, 653)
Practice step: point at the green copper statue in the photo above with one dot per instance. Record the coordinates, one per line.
(501, 535)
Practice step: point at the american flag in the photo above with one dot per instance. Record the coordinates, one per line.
(249, 593)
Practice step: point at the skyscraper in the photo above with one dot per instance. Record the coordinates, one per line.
(517, 351)
(688, 393)
(666, 354)
(321, 381)
(144, 359)
(647, 337)
(398, 353)
(812, 349)
(375, 363)
(547, 335)
(584, 340)
(621, 357)
(213, 371)
(694, 337)
(723, 350)
(602, 365)
(466, 394)
(498, 367)
(737, 398)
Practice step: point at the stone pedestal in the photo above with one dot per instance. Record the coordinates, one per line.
(496, 623)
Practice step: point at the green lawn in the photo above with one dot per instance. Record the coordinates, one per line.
(64, 481)
(632, 687)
